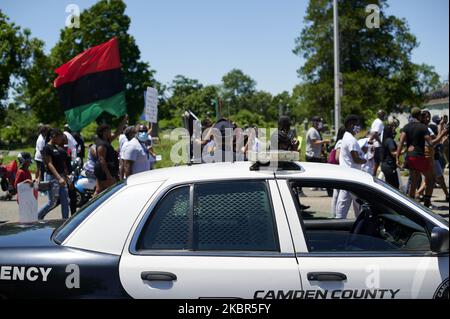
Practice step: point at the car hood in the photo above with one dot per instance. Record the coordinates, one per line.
(28, 235)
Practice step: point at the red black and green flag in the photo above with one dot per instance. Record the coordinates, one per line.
(90, 84)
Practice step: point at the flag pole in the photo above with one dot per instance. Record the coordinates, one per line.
(337, 80)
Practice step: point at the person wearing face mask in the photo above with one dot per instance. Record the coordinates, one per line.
(349, 156)
(136, 155)
(314, 142)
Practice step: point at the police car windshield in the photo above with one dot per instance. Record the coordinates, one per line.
(73, 222)
(423, 208)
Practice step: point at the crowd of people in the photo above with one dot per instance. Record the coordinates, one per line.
(57, 151)
(378, 152)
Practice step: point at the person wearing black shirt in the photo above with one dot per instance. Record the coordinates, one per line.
(283, 139)
(55, 160)
(70, 182)
(414, 135)
(388, 153)
(107, 166)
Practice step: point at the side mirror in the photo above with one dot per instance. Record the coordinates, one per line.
(439, 240)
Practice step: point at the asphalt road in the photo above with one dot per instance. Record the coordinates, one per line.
(318, 200)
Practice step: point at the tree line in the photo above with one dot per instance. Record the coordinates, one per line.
(375, 63)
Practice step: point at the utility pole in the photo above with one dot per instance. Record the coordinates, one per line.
(337, 76)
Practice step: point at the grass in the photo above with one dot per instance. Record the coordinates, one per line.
(6, 159)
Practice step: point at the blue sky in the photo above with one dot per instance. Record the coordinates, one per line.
(204, 39)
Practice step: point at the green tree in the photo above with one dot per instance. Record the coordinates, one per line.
(101, 22)
(237, 83)
(15, 53)
(247, 118)
(187, 94)
(19, 127)
(237, 89)
(375, 63)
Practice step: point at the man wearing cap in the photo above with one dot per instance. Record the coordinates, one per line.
(136, 155)
(377, 129)
(414, 135)
(314, 141)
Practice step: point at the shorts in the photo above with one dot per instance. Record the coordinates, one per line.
(418, 163)
(438, 168)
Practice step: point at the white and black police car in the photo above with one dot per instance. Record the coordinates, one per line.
(233, 230)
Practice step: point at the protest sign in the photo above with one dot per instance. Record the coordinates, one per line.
(151, 105)
(28, 204)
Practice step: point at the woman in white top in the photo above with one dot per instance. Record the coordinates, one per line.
(337, 148)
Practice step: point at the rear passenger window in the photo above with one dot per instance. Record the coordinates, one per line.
(224, 216)
(234, 216)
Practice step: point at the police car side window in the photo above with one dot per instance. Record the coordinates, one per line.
(373, 223)
(235, 215)
(223, 216)
(167, 228)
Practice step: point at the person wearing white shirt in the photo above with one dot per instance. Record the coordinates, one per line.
(377, 133)
(40, 144)
(71, 142)
(349, 156)
(136, 155)
(336, 154)
(128, 134)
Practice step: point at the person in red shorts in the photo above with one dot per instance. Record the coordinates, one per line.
(414, 135)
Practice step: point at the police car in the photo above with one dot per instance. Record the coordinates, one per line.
(233, 230)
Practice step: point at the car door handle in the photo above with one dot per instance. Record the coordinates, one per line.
(326, 276)
(158, 276)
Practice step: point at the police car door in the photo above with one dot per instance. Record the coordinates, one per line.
(207, 240)
(383, 254)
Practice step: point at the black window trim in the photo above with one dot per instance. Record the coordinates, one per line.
(133, 250)
(306, 182)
